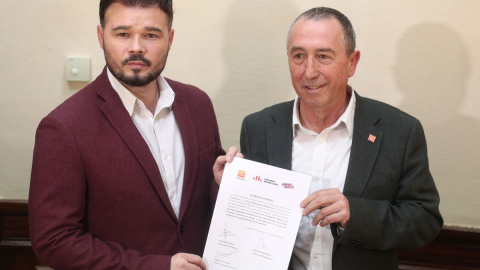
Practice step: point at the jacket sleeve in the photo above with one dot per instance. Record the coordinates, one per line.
(244, 142)
(253, 139)
(219, 151)
(408, 218)
(58, 207)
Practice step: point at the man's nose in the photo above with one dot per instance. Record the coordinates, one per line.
(136, 46)
(312, 70)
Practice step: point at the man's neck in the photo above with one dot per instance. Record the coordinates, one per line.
(319, 119)
(148, 94)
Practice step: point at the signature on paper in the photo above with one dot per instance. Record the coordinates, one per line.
(221, 255)
(261, 244)
(226, 232)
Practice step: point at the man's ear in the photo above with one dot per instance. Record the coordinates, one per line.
(353, 60)
(170, 38)
(100, 35)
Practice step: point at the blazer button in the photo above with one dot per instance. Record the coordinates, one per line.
(181, 229)
(352, 242)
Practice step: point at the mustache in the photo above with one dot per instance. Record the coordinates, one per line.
(137, 57)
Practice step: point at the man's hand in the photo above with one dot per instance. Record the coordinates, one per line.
(333, 207)
(186, 261)
(219, 165)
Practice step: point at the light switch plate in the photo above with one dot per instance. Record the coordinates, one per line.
(78, 69)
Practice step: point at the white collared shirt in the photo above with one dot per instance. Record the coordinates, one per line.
(161, 133)
(325, 157)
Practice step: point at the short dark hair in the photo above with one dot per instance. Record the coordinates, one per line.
(164, 5)
(322, 13)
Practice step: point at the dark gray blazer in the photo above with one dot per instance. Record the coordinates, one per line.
(392, 196)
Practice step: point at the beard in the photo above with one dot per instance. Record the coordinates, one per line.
(135, 80)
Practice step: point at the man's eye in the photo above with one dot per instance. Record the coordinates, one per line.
(298, 56)
(122, 34)
(151, 35)
(323, 56)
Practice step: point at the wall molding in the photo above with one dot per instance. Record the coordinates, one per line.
(16, 251)
(454, 248)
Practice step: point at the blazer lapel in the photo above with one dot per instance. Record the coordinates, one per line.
(279, 137)
(366, 142)
(184, 120)
(363, 154)
(118, 117)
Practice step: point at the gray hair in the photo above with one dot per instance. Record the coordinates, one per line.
(322, 13)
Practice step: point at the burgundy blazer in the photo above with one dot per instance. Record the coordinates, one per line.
(97, 200)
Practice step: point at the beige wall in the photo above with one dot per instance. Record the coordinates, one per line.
(421, 56)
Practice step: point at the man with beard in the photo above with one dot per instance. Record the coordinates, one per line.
(122, 171)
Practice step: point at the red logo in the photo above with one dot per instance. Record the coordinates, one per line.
(371, 138)
(288, 185)
(257, 178)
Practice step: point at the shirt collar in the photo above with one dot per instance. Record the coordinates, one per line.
(165, 99)
(346, 117)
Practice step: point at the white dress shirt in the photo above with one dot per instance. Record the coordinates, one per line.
(161, 133)
(325, 157)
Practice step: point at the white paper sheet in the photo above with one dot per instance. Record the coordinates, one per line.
(256, 217)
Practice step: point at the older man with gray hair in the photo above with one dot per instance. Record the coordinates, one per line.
(372, 192)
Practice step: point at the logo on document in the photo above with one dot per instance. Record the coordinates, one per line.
(241, 175)
(257, 178)
(270, 181)
(288, 185)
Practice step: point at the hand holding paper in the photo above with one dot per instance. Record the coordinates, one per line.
(256, 217)
(221, 161)
(333, 207)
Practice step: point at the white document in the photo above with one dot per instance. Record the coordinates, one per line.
(256, 217)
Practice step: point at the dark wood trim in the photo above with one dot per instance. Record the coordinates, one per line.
(454, 248)
(14, 223)
(16, 251)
